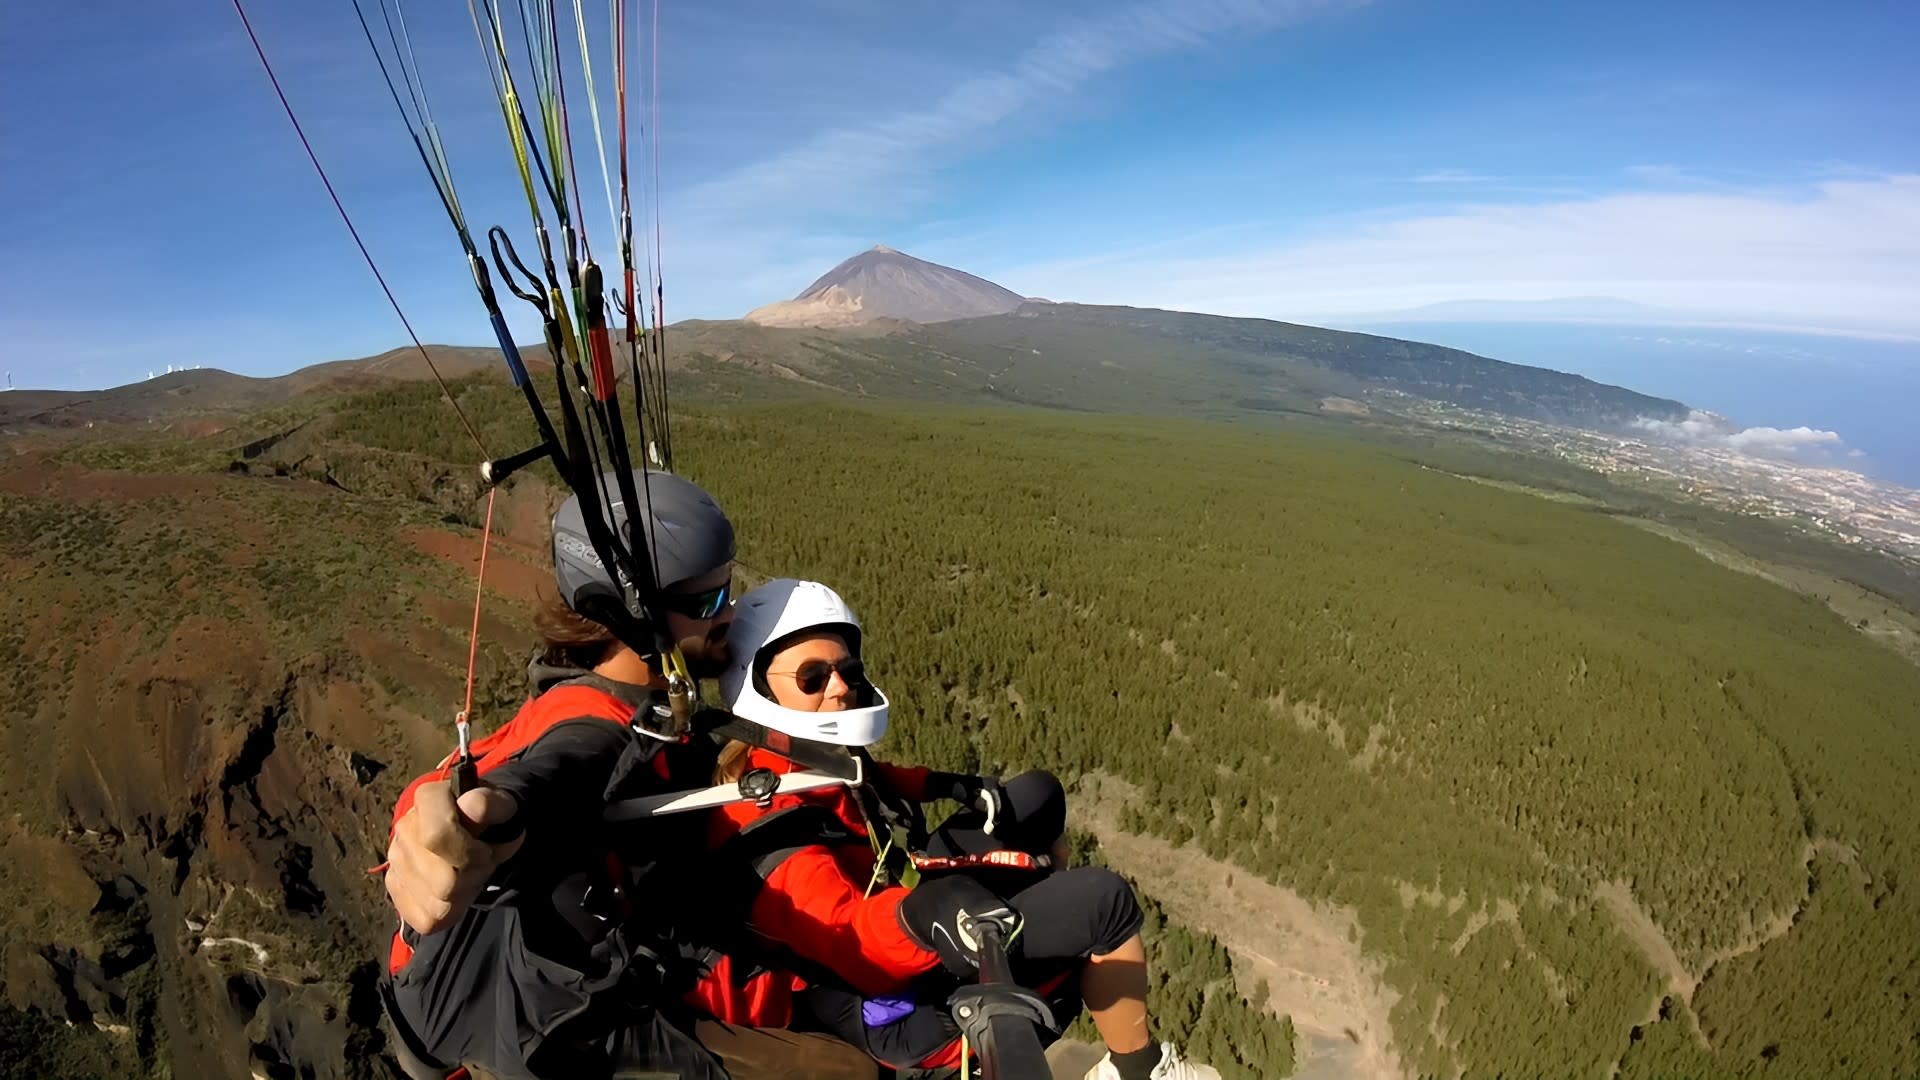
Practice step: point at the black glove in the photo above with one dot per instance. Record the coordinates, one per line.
(982, 793)
(939, 914)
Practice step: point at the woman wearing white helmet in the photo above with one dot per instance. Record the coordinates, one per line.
(882, 958)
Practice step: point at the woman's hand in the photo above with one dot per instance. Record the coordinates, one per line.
(989, 799)
(982, 793)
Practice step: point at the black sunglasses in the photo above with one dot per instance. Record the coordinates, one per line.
(700, 605)
(812, 677)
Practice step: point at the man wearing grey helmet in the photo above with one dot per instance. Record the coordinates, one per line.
(536, 940)
(691, 542)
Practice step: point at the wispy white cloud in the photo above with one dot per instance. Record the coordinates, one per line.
(1841, 256)
(1666, 175)
(1699, 426)
(1744, 348)
(1450, 176)
(767, 228)
(841, 168)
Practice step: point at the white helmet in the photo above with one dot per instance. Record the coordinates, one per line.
(766, 616)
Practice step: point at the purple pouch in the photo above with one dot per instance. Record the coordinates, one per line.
(884, 1010)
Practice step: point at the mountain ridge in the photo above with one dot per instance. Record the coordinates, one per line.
(1435, 372)
(886, 324)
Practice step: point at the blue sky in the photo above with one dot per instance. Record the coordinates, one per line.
(1755, 164)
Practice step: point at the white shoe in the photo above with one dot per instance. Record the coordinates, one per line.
(1172, 1067)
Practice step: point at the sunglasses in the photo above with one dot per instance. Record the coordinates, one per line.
(812, 677)
(700, 605)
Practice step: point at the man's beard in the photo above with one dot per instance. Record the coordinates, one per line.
(707, 654)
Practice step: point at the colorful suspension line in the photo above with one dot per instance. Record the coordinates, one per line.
(637, 372)
(581, 333)
(465, 774)
(569, 326)
(659, 257)
(589, 294)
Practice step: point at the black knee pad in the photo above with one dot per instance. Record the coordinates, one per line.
(1038, 806)
(1043, 785)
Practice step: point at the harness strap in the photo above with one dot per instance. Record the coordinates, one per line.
(676, 802)
(1003, 858)
(769, 841)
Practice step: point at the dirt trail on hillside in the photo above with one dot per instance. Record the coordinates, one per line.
(1314, 971)
(1682, 982)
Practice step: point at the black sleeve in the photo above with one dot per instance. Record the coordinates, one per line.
(560, 781)
(959, 787)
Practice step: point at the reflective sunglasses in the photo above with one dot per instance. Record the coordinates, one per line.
(812, 677)
(700, 605)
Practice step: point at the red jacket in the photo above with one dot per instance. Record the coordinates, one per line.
(762, 1000)
(816, 903)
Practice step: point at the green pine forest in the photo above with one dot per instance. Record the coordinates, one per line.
(1600, 806)
(1401, 691)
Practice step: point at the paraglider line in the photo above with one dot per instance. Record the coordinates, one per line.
(355, 233)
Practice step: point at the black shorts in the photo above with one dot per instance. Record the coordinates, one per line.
(1067, 916)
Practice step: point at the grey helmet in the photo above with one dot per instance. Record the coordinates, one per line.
(689, 536)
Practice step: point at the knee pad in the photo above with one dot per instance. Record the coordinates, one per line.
(1045, 786)
(1038, 791)
(1039, 806)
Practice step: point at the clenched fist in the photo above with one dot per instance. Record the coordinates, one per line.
(437, 862)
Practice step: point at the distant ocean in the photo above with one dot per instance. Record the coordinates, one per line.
(1867, 391)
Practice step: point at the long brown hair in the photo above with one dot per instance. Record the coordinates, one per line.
(732, 763)
(567, 638)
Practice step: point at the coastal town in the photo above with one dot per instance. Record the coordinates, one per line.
(1851, 506)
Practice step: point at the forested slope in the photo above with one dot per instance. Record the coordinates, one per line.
(1573, 776)
(1473, 714)
(1597, 802)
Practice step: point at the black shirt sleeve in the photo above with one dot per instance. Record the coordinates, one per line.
(561, 779)
(959, 787)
